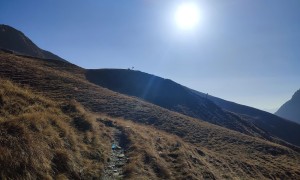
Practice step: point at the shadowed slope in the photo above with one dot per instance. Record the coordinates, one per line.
(15, 41)
(170, 95)
(282, 128)
(175, 97)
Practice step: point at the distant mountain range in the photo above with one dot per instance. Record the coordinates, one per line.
(291, 109)
(16, 42)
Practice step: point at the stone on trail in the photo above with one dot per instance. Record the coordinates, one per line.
(121, 155)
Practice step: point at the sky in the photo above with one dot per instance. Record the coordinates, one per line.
(246, 51)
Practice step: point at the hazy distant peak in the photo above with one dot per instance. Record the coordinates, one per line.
(290, 110)
(296, 95)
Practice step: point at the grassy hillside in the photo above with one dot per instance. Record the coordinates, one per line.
(41, 139)
(187, 147)
(156, 154)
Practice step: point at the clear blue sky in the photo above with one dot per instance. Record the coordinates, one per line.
(247, 51)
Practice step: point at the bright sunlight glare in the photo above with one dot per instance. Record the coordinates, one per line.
(187, 16)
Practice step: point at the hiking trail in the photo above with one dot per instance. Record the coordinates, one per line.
(114, 167)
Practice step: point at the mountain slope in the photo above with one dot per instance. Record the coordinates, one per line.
(170, 95)
(221, 153)
(291, 109)
(267, 121)
(175, 97)
(15, 41)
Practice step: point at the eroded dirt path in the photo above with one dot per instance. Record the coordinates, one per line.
(117, 159)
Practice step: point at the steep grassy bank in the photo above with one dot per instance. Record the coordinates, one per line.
(43, 139)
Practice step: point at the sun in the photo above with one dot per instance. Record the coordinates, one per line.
(187, 16)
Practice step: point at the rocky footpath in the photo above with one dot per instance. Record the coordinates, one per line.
(117, 159)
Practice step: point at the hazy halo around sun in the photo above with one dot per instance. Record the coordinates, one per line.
(187, 15)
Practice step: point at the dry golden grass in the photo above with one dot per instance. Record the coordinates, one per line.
(74, 135)
(39, 139)
(155, 154)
